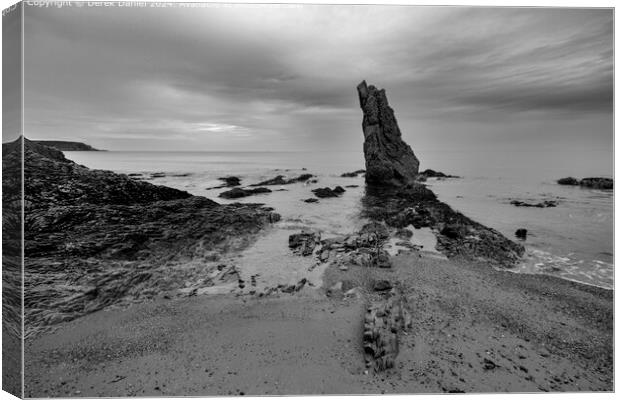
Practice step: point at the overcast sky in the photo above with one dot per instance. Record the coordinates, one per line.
(265, 78)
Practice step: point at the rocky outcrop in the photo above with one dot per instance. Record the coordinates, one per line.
(597, 183)
(95, 238)
(592, 183)
(457, 235)
(389, 160)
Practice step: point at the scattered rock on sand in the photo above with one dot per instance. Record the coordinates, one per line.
(304, 242)
(380, 259)
(311, 200)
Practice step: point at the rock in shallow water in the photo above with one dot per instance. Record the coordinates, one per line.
(597, 183)
(280, 180)
(327, 192)
(237, 193)
(231, 180)
(568, 181)
(593, 183)
(543, 204)
(521, 233)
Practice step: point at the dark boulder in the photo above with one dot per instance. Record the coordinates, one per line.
(327, 192)
(238, 192)
(389, 160)
(593, 183)
(568, 181)
(521, 233)
(311, 200)
(452, 231)
(381, 285)
(231, 180)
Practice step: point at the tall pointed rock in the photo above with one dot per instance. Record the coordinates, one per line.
(389, 160)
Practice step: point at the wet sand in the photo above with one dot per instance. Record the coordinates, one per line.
(475, 329)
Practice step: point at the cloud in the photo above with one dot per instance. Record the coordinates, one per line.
(260, 73)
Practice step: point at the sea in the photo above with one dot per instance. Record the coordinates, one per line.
(573, 241)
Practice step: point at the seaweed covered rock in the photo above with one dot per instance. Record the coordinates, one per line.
(389, 160)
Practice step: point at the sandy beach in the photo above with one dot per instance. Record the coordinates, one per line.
(474, 330)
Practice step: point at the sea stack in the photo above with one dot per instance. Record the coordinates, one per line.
(389, 160)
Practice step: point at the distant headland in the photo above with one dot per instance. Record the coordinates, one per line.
(63, 145)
